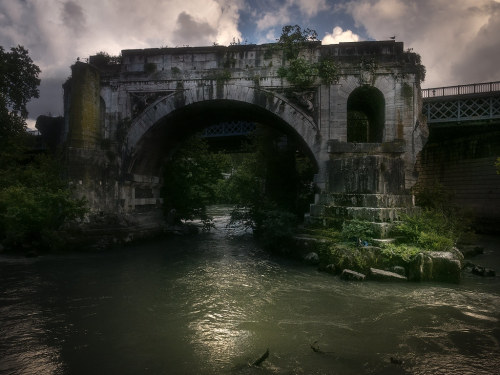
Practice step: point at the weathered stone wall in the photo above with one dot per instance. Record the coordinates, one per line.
(84, 109)
(465, 167)
(122, 118)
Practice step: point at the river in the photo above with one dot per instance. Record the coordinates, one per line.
(214, 303)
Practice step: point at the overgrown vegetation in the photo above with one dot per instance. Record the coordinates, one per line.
(299, 71)
(293, 39)
(192, 177)
(269, 185)
(272, 188)
(103, 58)
(437, 226)
(35, 201)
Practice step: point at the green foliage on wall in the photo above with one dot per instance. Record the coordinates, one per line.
(293, 39)
(329, 71)
(299, 72)
(103, 58)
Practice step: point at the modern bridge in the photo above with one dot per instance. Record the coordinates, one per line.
(463, 146)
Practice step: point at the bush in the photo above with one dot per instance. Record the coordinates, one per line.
(357, 231)
(277, 229)
(429, 229)
(395, 254)
(30, 216)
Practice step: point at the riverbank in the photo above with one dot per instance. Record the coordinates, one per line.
(359, 262)
(379, 260)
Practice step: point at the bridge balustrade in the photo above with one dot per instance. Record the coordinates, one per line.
(229, 129)
(474, 88)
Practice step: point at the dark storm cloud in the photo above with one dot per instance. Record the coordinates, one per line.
(481, 60)
(192, 31)
(72, 16)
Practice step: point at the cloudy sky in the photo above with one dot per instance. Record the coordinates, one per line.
(459, 40)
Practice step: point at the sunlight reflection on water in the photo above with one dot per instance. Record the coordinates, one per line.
(213, 304)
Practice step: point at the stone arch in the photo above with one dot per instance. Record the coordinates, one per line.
(267, 102)
(365, 115)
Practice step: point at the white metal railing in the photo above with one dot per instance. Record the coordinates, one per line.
(462, 109)
(474, 88)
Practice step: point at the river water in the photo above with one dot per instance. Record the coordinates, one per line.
(214, 303)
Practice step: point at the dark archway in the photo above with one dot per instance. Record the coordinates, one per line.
(163, 137)
(365, 115)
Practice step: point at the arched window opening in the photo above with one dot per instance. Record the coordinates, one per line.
(365, 115)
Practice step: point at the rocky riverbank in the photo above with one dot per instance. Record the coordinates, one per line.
(359, 263)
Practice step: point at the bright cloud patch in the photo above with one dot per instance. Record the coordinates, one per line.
(338, 35)
(458, 40)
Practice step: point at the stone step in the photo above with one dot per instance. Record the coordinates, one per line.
(382, 230)
(374, 214)
(366, 200)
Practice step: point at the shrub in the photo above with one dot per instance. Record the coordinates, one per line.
(300, 72)
(428, 229)
(357, 230)
(32, 215)
(276, 230)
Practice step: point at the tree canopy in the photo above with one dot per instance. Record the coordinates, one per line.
(18, 85)
(34, 200)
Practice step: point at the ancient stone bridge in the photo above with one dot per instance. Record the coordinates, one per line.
(363, 128)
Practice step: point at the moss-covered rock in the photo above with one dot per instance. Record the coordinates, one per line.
(441, 266)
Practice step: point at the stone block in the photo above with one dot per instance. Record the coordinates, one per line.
(438, 266)
(350, 275)
(483, 271)
(381, 275)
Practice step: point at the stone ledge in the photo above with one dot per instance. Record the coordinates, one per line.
(337, 147)
(366, 200)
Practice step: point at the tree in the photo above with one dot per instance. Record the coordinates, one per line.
(191, 180)
(300, 72)
(34, 203)
(272, 187)
(18, 85)
(293, 39)
(34, 200)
